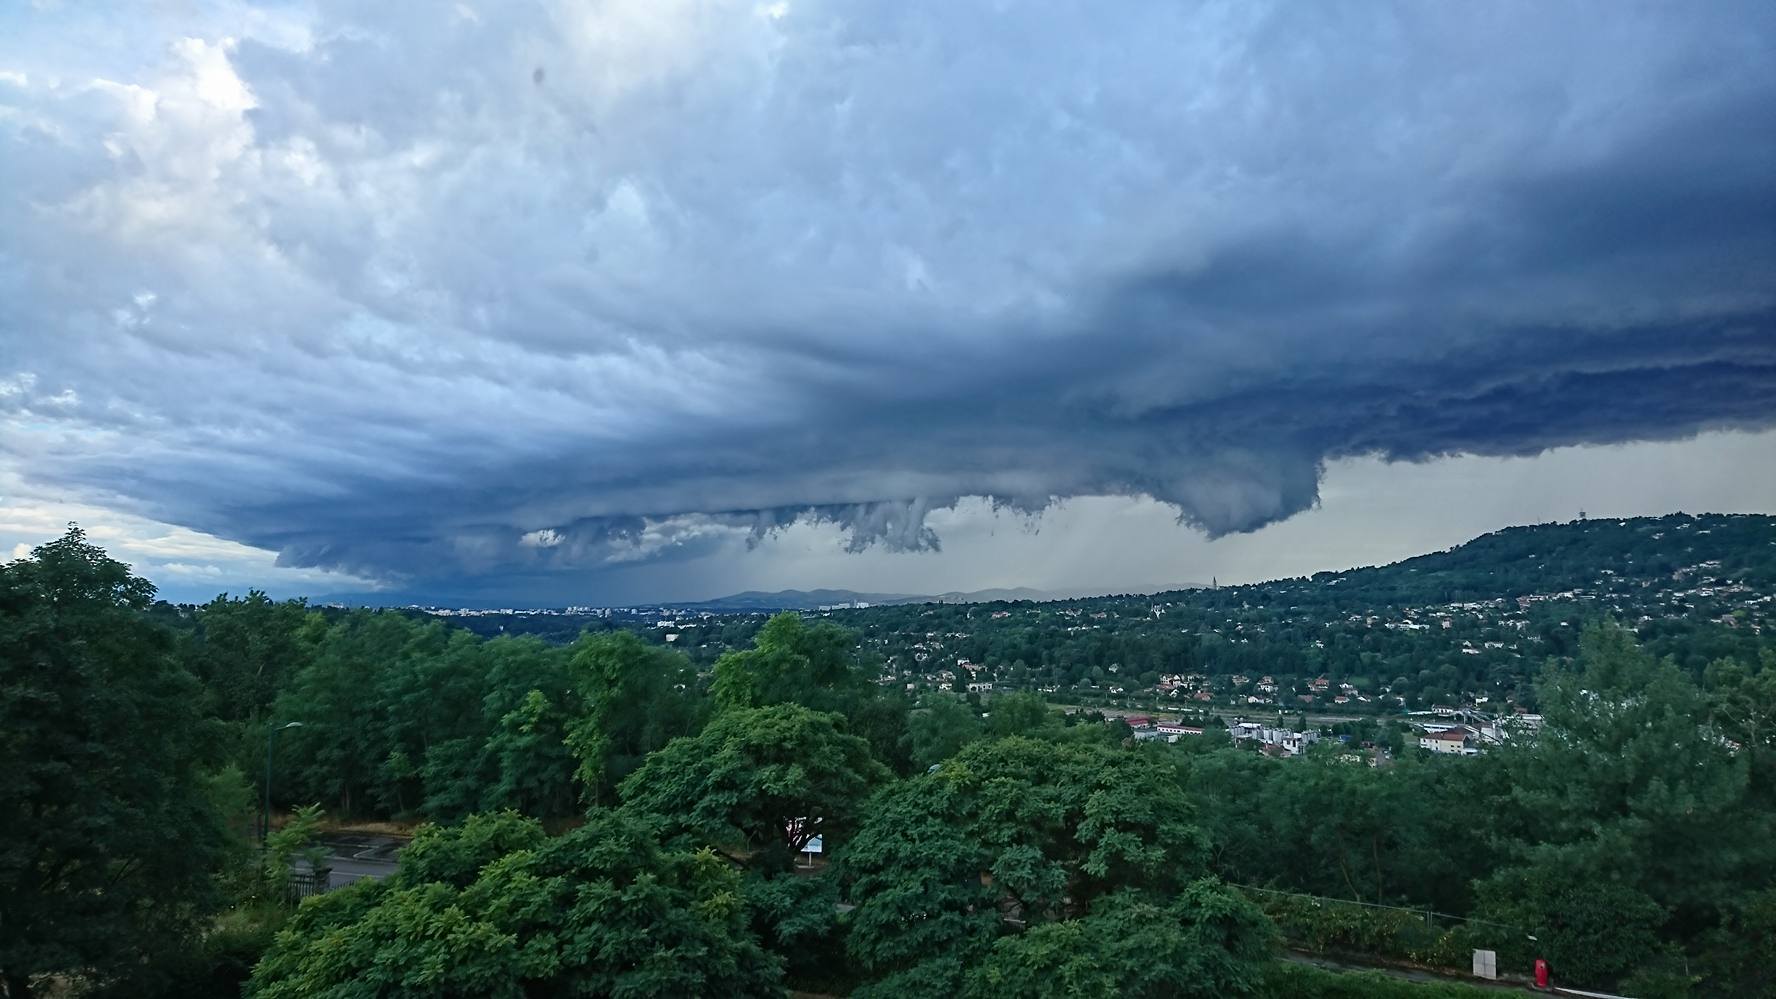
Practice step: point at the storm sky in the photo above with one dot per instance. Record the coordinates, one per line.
(600, 301)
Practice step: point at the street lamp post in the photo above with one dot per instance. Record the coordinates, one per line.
(270, 741)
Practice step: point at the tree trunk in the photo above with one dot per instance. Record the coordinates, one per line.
(18, 986)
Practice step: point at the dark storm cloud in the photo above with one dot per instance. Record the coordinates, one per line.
(364, 290)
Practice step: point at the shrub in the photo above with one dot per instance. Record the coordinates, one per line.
(1324, 925)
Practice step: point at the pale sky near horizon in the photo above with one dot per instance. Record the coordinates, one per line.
(1370, 513)
(568, 301)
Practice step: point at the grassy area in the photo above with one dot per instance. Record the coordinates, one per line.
(1301, 981)
(370, 827)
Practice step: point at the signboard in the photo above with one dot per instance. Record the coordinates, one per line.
(798, 826)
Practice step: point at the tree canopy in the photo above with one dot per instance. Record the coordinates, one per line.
(107, 834)
(497, 909)
(1017, 833)
(759, 783)
(983, 843)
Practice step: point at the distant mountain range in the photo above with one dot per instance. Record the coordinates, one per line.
(1514, 561)
(754, 600)
(750, 600)
(814, 599)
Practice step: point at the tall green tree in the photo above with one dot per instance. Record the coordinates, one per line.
(1206, 941)
(759, 783)
(532, 759)
(939, 727)
(636, 697)
(1011, 833)
(431, 686)
(245, 649)
(1632, 789)
(1019, 714)
(1593, 929)
(108, 836)
(1409, 834)
(817, 666)
(790, 660)
(362, 699)
(513, 754)
(1742, 701)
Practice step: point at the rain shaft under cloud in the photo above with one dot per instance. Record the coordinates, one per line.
(559, 285)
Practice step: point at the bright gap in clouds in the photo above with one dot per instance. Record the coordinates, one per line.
(186, 565)
(1370, 512)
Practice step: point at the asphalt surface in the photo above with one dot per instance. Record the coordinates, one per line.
(353, 857)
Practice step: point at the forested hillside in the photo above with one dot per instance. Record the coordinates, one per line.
(1475, 622)
(612, 815)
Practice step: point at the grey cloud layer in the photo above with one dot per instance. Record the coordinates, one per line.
(563, 285)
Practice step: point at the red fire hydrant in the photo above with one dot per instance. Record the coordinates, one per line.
(1541, 973)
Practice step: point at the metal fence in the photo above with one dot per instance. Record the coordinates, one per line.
(1431, 918)
(306, 883)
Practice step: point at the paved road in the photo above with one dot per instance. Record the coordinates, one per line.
(361, 856)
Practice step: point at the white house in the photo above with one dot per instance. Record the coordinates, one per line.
(1454, 741)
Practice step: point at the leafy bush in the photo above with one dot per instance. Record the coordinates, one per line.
(297, 840)
(1323, 925)
(216, 966)
(602, 910)
(240, 938)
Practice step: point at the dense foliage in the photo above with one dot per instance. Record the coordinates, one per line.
(107, 829)
(1478, 620)
(615, 816)
(1021, 864)
(760, 783)
(508, 912)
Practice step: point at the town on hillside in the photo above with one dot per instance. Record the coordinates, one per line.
(1440, 652)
